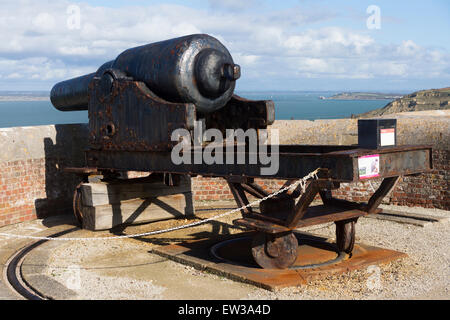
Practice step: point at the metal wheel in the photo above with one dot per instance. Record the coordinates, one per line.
(77, 205)
(274, 251)
(345, 235)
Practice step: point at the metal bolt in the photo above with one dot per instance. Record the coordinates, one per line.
(236, 72)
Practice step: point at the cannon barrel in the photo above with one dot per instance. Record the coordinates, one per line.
(72, 95)
(194, 69)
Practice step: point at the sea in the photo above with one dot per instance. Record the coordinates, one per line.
(292, 105)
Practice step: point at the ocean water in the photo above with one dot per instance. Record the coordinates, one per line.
(35, 113)
(288, 105)
(308, 106)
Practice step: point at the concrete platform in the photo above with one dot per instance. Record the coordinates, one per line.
(234, 261)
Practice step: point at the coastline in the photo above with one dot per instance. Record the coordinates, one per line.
(363, 96)
(23, 98)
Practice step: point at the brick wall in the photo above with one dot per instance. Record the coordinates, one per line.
(32, 186)
(216, 189)
(20, 182)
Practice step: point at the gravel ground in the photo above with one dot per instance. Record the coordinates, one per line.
(81, 267)
(424, 274)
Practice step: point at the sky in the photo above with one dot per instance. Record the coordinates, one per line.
(297, 45)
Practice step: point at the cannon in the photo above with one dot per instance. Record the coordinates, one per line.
(138, 100)
(195, 68)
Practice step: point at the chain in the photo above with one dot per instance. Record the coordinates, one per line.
(302, 182)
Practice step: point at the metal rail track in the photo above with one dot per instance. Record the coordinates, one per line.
(13, 270)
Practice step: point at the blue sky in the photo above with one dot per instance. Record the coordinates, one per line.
(288, 45)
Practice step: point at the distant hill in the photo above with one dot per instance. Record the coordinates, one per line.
(363, 96)
(24, 95)
(433, 99)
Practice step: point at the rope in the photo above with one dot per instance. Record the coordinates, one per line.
(301, 182)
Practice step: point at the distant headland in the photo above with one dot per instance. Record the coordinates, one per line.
(24, 96)
(363, 96)
(432, 99)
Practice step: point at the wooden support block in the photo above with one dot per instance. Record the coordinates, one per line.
(106, 216)
(105, 205)
(103, 193)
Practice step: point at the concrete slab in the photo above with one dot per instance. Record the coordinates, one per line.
(5, 291)
(46, 286)
(236, 262)
(415, 219)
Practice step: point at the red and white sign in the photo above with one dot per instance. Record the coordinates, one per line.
(369, 166)
(387, 137)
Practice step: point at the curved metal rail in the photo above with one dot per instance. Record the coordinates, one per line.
(13, 270)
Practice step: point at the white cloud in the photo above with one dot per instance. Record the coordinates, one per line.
(35, 42)
(14, 75)
(247, 60)
(44, 22)
(408, 48)
(78, 51)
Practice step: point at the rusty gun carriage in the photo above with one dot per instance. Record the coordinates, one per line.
(137, 101)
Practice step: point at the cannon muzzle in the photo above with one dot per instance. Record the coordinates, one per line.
(71, 95)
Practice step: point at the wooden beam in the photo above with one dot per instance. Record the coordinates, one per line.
(302, 205)
(239, 196)
(254, 190)
(114, 192)
(386, 186)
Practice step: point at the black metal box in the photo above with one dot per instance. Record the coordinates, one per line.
(377, 133)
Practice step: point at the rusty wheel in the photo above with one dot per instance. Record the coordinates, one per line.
(274, 251)
(345, 235)
(77, 205)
